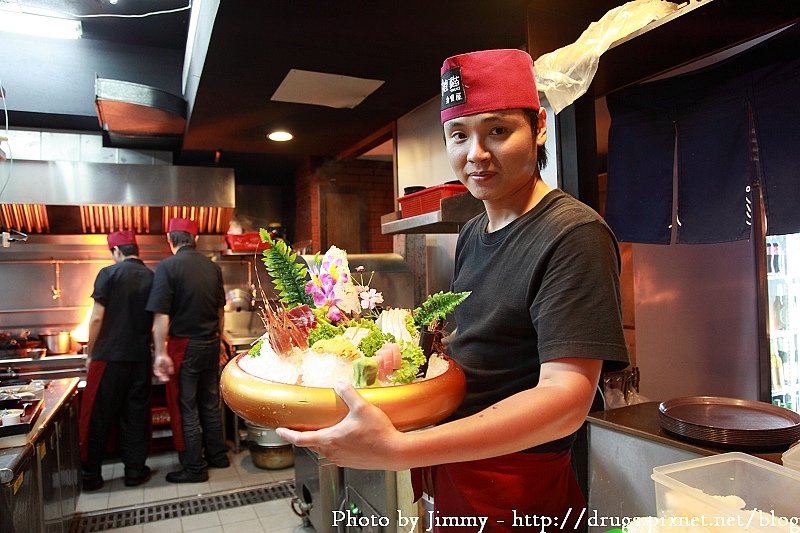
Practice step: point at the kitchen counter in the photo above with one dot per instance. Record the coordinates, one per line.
(40, 470)
(625, 444)
(56, 394)
(641, 420)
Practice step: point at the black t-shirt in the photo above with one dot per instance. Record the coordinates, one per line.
(125, 334)
(544, 287)
(188, 287)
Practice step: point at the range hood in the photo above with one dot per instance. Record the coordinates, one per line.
(64, 197)
(133, 115)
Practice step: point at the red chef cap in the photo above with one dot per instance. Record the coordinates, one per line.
(487, 81)
(183, 224)
(121, 238)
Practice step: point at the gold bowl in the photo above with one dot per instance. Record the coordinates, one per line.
(270, 404)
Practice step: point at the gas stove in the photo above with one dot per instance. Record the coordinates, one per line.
(13, 353)
(16, 346)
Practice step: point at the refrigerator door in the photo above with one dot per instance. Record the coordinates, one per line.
(783, 287)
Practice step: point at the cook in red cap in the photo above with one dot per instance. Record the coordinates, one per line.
(487, 81)
(118, 358)
(183, 224)
(121, 238)
(553, 264)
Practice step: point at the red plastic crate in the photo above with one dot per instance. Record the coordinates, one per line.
(159, 416)
(246, 242)
(428, 200)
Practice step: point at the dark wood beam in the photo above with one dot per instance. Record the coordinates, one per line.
(384, 134)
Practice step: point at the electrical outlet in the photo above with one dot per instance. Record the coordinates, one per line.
(5, 239)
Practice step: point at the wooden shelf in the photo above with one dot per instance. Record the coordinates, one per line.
(454, 213)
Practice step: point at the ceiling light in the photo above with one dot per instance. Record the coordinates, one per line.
(280, 136)
(39, 25)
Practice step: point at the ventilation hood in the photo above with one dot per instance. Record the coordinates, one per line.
(133, 115)
(63, 197)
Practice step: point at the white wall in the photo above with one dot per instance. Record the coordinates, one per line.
(550, 172)
(422, 160)
(72, 146)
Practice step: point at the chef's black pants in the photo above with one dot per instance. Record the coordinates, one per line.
(198, 399)
(123, 399)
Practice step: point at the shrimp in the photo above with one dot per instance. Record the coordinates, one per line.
(288, 329)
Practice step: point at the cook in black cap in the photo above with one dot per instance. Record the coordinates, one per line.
(542, 321)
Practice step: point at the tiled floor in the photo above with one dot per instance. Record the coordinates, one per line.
(268, 517)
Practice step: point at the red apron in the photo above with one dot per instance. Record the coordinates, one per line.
(93, 376)
(176, 348)
(516, 492)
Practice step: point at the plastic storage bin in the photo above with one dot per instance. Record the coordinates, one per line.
(729, 493)
(791, 459)
(245, 242)
(428, 200)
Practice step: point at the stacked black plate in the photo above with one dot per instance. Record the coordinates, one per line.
(730, 423)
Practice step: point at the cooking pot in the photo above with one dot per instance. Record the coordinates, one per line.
(36, 353)
(57, 343)
(238, 300)
(267, 449)
(264, 436)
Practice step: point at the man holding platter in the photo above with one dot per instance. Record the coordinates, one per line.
(542, 322)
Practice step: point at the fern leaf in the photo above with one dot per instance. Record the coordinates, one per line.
(288, 277)
(437, 307)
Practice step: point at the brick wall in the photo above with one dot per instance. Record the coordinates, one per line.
(374, 178)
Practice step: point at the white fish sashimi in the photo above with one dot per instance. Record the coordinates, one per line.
(394, 321)
(356, 335)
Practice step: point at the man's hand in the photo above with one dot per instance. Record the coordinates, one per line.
(225, 351)
(163, 367)
(364, 439)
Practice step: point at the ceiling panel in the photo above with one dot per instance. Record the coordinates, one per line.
(254, 46)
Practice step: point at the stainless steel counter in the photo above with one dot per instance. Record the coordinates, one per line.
(625, 444)
(40, 470)
(12, 447)
(641, 420)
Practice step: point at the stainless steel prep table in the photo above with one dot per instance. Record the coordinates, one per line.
(40, 470)
(624, 446)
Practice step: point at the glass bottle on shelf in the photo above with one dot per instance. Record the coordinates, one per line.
(784, 319)
(776, 375)
(778, 400)
(769, 258)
